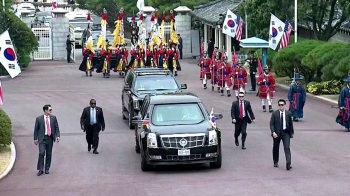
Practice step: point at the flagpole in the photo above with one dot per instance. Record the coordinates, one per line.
(246, 24)
(295, 21)
(3, 5)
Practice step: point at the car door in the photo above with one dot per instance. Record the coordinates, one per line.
(143, 113)
(127, 93)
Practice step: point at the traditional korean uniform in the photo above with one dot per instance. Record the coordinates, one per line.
(170, 59)
(86, 64)
(296, 97)
(225, 73)
(214, 73)
(119, 55)
(149, 57)
(267, 86)
(161, 57)
(155, 57)
(107, 67)
(176, 63)
(343, 117)
(102, 59)
(132, 62)
(141, 58)
(240, 78)
(125, 54)
(205, 64)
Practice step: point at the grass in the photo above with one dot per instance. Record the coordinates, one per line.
(5, 156)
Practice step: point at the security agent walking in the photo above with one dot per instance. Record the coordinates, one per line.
(242, 114)
(69, 48)
(180, 46)
(46, 132)
(253, 64)
(281, 126)
(92, 122)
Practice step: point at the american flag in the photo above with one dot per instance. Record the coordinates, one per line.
(239, 28)
(286, 35)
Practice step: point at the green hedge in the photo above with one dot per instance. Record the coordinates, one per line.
(5, 128)
(324, 88)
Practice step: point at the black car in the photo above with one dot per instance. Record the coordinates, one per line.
(142, 81)
(176, 128)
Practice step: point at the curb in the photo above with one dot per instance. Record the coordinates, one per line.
(317, 97)
(12, 161)
(4, 76)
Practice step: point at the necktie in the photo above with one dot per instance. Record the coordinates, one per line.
(282, 121)
(48, 128)
(241, 110)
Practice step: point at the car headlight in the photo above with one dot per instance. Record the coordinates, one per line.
(152, 140)
(213, 137)
(136, 102)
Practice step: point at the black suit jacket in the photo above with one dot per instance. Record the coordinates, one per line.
(85, 118)
(39, 128)
(275, 125)
(180, 43)
(247, 110)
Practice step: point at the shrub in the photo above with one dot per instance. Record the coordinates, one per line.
(324, 88)
(289, 58)
(342, 69)
(5, 128)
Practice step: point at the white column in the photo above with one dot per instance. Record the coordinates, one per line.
(216, 36)
(228, 48)
(205, 36)
(220, 39)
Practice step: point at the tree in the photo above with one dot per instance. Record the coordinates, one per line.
(289, 58)
(313, 58)
(343, 67)
(317, 13)
(5, 129)
(259, 14)
(331, 59)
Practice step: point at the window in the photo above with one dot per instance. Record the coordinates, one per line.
(177, 114)
(152, 83)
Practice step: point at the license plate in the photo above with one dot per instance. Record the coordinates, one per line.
(184, 152)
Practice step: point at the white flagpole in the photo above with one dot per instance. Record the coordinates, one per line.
(246, 25)
(295, 21)
(3, 5)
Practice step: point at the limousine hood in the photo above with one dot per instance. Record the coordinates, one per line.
(182, 129)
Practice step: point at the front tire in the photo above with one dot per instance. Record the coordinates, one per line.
(144, 166)
(131, 125)
(218, 163)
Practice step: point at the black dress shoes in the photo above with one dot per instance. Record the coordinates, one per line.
(95, 152)
(243, 148)
(275, 164)
(288, 166)
(89, 147)
(236, 142)
(39, 173)
(47, 172)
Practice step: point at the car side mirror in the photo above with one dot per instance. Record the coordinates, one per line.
(136, 120)
(218, 116)
(183, 86)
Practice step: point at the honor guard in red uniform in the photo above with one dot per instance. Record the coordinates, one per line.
(170, 58)
(107, 71)
(205, 63)
(133, 61)
(267, 86)
(161, 57)
(225, 73)
(214, 72)
(155, 56)
(141, 58)
(149, 56)
(176, 63)
(125, 54)
(86, 65)
(240, 78)
(118, 65)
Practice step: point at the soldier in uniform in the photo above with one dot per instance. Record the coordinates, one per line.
(161, 56)
(141, 57)
(176, 63)
(106, 70)
(170, 58)
(155, 56)
(125, 54)
(149, 56)
(86, 64)
(205, 64)
(133, 54)
(267, 86)
(118, 65)
(253, 64)
(296, 97)
(225, 73)
(343, 117)
(240, 78)
(214, 72)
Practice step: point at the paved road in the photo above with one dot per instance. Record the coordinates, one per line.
(320, 149)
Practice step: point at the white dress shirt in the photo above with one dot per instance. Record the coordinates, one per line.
(93, 115)
(45, 123)
(284, 119)
(242, 103)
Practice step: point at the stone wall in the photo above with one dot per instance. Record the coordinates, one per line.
(60, 30)
(183, 27)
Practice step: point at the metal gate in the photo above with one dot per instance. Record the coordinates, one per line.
(72, 38)
(44, 37)
(166, 32)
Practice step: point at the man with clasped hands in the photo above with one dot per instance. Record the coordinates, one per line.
(281, 126)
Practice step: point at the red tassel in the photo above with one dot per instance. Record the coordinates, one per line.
(171, 16)
(156, 14)
(133, 18)
(141, 16)
(88, 17)
(104, 16)
(121, 16)
(152, 18)
(163, 16)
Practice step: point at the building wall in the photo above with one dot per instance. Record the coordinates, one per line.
(183, 27)
(339, 37)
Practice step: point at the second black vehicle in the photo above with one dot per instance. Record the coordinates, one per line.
(140, 82)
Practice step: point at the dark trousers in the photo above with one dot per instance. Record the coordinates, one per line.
(241, 128)
(180, 50)
(45, 149)
(253, 81)
(92, 135)
(68, 55)
(276, 146)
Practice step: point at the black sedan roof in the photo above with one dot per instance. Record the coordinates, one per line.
(174, 98)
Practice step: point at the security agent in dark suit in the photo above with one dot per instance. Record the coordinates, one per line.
(92, 121)
(253, 64)
(180, 46)
(241, 114)
(69, 48)
(46, 131)
(281, 126)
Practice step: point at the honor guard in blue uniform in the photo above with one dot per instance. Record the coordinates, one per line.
(296, 97)
(343, 117)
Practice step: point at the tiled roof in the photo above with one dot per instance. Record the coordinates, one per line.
(345, 26)
(209, 13)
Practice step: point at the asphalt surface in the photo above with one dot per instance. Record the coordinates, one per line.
(320, 148)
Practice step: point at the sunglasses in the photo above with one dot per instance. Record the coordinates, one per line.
(50, 110)
(240, 96)
(280, 104)
(92, 103)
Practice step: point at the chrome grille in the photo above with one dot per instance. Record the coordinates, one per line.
(183, 158)
(174, 141)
